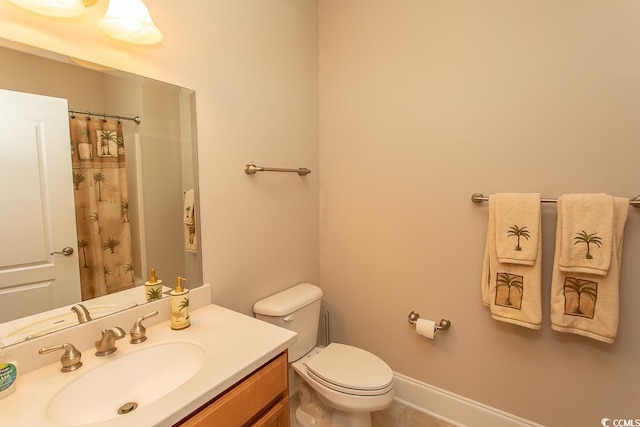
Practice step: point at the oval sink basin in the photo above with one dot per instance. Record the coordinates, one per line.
(126, 383)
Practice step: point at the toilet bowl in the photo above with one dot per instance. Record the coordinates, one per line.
(347, 378)
(339, 385)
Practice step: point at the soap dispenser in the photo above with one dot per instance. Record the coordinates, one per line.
(180, 305)
(153, 287)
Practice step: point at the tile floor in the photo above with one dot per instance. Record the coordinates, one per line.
(397, 415)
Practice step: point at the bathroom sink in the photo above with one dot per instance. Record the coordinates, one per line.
(125, 383)
(168, 377)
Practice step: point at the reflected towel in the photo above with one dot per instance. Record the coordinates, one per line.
(588, 304)
(189, 202)
(189, 219)
(512, 291)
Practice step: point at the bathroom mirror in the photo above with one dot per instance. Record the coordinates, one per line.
(161, 160)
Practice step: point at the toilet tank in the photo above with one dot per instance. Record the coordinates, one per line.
(296, 309)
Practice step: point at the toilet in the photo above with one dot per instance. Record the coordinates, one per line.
(338, 385)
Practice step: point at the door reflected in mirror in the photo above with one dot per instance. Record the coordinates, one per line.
(161, 166)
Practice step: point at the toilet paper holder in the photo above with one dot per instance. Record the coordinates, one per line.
(442, 325)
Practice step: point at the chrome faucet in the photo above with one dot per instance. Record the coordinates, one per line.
(82, 313)
(107, 342)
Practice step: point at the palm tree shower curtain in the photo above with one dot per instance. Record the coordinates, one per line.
(102, 221)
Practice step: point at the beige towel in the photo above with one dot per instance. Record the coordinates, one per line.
(189, 219)
(517, 221)
(512, 290)
(189, 203)
(587, 233)
(588, 304)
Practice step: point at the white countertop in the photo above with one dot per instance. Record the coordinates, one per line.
(235, 345)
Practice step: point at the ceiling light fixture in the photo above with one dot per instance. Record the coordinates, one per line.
(54, 8)
(129, 21)
(126, 20)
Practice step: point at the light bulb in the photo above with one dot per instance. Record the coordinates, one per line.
(130, 21)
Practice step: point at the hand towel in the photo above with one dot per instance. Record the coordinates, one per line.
(189, 201)
(587, 233)
(517, 219)
(512, 290)
(588, 304)
(189, 219)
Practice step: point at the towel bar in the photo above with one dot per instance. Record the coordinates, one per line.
(479, 198)
(250, 169)
(443, 324)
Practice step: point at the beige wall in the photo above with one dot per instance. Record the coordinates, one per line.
(423, 103)
(82, 88)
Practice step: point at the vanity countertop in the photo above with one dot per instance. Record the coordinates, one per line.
(235, 345)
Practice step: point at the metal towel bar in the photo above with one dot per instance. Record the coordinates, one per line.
(479, 198)
(250, 169)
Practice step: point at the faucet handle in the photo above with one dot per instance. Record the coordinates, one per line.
(70, 358)
(138, 331)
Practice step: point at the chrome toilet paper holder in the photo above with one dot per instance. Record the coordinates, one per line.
(442, 325)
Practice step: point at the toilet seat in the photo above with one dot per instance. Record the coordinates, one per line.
(350, 370)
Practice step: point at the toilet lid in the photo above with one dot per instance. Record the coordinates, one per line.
(350, 370)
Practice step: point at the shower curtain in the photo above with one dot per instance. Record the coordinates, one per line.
(102, 220)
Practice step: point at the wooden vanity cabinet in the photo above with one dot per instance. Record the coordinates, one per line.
(259, 400)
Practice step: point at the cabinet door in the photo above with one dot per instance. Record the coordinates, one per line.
(248, 399)
(278, 416)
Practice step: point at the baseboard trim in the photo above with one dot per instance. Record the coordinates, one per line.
(453, 408)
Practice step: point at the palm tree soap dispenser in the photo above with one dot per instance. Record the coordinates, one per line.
(153, 287)
(179, 305)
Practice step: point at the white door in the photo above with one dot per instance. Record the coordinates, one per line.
(37, 215)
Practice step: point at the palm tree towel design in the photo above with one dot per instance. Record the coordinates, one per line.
(587, 233)
(517, 219)
(588, 303)
(511, 280)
